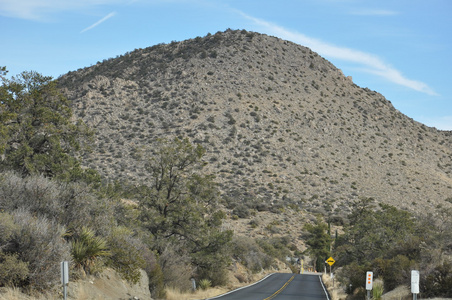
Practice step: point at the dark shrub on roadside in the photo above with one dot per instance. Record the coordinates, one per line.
(438, 283)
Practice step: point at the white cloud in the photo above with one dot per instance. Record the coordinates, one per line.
(40, 10)
(112, 14)
(365, 61)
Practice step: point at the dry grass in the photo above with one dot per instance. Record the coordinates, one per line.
(336, 292)
(400, 293)
(174, 294)
(16, 294)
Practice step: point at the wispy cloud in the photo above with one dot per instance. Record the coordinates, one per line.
(42, 9)
(112, 14)
(367, 62)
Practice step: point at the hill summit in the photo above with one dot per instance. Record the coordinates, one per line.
(282, 126)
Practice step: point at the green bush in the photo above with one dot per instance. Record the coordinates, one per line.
(241, 211)
(213, 257)
(351, 276)
(275, 247)
(395, 271)
(13, 271)
(156, 280)
(126, 254)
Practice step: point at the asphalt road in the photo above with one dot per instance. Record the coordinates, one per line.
(280, 286)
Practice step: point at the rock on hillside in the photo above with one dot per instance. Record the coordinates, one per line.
(282, 126)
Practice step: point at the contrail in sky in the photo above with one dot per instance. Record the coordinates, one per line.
(112, 14)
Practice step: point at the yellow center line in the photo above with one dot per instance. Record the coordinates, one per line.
(281, 289)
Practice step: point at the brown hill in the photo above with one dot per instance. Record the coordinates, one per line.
(281, 125)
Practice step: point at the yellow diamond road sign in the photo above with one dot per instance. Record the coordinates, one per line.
(330, 261)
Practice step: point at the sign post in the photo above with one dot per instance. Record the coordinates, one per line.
(415, 283)
(369, 282)
(331, 262)
(64, 277)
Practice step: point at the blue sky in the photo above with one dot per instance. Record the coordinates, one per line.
(399, 48)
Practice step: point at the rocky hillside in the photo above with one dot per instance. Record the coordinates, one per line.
(282, 126)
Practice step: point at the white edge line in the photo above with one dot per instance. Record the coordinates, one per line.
(240, 288)
(326, 293)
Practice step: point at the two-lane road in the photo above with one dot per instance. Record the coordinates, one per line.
(280, 286)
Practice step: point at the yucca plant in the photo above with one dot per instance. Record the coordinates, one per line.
(204, 284)
(87, 248)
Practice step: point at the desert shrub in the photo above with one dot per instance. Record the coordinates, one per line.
(13, 271)
(126, 254)
(87, 250)
(352, 276)
(156, 278)
(35, 193)
(7, 228)
(395, 271)
(176, 266)
(247, 252)
(294, 269)
(241, 211)
(70, 204)
(240, 277)
(275, 247)
(37, 242)
(253, 223)
(83, 208)
(213, 256)
(262, 207)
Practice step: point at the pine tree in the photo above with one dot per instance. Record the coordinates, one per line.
(319, 241)
(37, 132)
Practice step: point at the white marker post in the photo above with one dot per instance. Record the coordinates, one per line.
(64, 277)
(369, 282)
(415, 283)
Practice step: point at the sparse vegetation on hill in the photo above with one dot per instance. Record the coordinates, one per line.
(281, 125)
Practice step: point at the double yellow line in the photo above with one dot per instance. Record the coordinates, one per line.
(281, 289)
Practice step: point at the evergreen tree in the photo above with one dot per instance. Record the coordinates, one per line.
(318, 241)
(179, 205)
(37, 133)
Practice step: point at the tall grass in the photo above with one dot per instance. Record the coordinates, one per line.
(377, 290)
